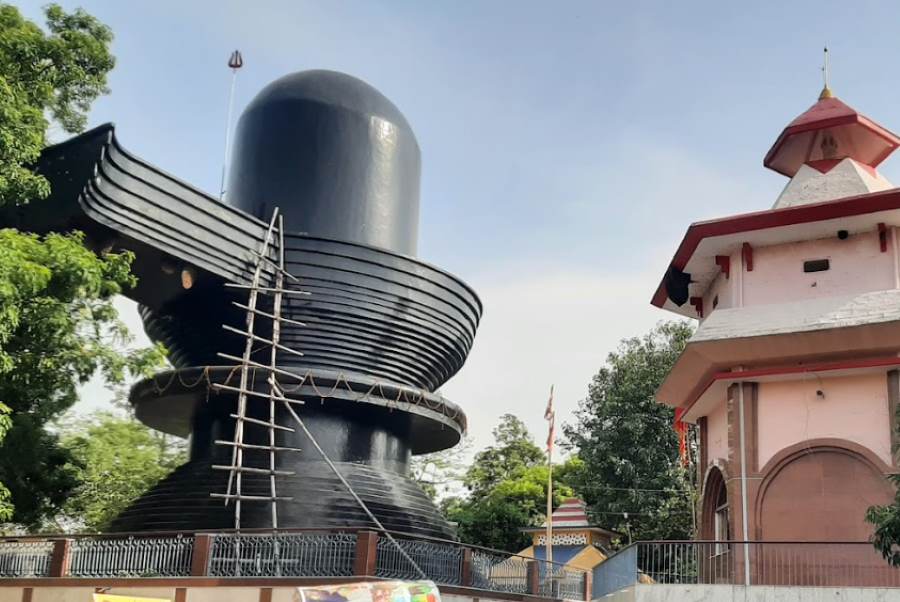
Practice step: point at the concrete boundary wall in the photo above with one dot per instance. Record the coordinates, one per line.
(210, 593)
(757, 593)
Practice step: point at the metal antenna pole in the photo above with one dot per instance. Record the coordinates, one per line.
(235, 62)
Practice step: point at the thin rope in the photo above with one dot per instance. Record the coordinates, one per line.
(346, 484)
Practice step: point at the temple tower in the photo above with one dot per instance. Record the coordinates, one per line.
(793, 374)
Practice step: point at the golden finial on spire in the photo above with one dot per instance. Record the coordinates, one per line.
(826, 91)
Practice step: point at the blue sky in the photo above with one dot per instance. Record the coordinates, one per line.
(566, 145)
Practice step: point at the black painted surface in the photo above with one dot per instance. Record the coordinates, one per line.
(334, 155)
(343, 165)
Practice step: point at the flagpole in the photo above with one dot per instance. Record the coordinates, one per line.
(550, 505)
(550, 415)
(235, 62)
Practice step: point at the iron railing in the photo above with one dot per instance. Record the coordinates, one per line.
(562, 582)
(25, 558)
(440, 562)
(288, 553)
(282, 555)
(131, 557)
(812, 564)
(500, 572)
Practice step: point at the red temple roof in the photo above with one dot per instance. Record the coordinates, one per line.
(830, 130)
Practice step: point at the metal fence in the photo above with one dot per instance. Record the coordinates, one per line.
(559, 581)
(499, 572)
(441, 562)
(823, 564)
(290, 554)
(25, 558)
(131, 557)
(282, 555)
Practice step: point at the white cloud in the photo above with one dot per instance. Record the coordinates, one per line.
(545, 326)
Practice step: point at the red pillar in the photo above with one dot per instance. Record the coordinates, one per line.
(366, 553)
(62, 555)
(200, 557)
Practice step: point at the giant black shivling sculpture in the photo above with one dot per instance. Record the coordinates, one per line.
(383, 330)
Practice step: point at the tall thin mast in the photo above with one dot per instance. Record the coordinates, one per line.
(235, 62)
(550, 416)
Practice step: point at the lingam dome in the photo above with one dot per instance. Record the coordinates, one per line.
(335, 155)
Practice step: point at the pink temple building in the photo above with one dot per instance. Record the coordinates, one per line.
(793, 374)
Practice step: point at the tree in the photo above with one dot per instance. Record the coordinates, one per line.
(6, 508)
(57, 322)
(496, 519)
(886, 520)
(57, 328)
(627, 442)
(115, 459)
(439, 472)
(507, 485)
(57, 73)
(513, 452)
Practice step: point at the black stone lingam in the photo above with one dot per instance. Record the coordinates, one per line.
(383, 330)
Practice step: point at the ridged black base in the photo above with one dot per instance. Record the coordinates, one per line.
(182, 501)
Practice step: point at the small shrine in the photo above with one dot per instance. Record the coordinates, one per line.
(576, 542)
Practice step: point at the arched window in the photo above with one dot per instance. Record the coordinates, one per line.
(721, 524)
(715, 520)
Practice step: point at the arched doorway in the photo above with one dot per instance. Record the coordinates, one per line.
(714, 558)
(819, 492)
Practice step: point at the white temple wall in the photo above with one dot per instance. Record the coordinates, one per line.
(720, 294)
(854, 408)
(717, 434)
(857, 265)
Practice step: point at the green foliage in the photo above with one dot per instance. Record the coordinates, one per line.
(57, 323)
(508, 490)
(115, 460)
(496, 520)
(438, 472)
(57, 328)
(628, 445)
(6, 509)
(513, 452)
(886, 520)
(887, 527)
(56, 73)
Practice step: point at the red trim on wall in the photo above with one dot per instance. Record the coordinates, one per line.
(697, 302)
(773, 218)
(747, 255)
(724, 263)
(882, 236)
(876, 362)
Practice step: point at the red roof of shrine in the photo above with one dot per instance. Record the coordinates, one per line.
(830, 129)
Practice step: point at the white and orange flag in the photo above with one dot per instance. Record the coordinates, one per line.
(550, 416)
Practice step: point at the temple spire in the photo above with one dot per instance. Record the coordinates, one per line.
(826, 91)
